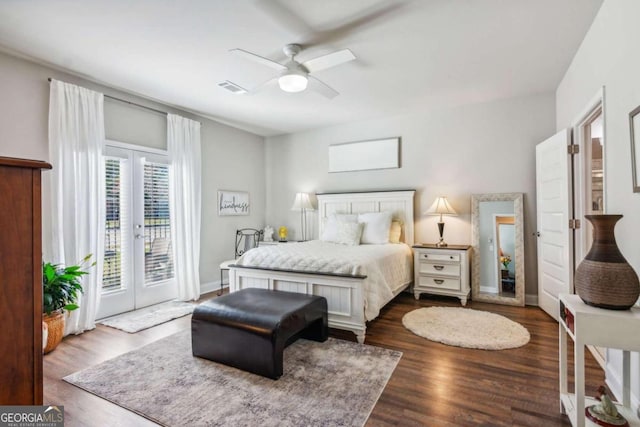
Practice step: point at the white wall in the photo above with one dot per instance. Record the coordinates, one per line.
(609, 57)
(232, 159)
(483, 148)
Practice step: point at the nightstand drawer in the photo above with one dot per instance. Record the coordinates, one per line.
(445, 269)
(439, 257)
(438, 282)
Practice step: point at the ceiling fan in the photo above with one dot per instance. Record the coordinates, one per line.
(295, 76)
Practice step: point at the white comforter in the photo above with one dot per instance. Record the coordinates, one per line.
(387, 267)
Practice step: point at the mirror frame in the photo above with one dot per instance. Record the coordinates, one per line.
(517, 199)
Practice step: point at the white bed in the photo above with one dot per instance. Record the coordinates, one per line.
(357, 281)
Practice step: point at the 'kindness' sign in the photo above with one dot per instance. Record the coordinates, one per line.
(233, 203)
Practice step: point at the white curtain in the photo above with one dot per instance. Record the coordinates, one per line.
(76, 138)
(186, 200)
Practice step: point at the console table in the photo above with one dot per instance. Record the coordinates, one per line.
(588, 325)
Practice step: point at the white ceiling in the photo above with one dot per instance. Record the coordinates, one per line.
(418, 54)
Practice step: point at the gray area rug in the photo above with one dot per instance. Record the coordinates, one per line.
(335, 383)
(145, 318)
(464, 327)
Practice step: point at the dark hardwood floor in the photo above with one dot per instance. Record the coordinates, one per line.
(433, 385)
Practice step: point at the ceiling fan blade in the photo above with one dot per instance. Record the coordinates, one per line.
(307, 36)
(364, 19)
(322, 88)
(330, 60)
(284, 17)
(259, 59)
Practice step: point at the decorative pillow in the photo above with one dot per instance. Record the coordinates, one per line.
(395, 232)
(349, 233)
(376, 227)
(331, 224)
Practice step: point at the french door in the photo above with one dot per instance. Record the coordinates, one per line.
(138, 260)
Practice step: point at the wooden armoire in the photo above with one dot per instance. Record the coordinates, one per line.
(21, 281)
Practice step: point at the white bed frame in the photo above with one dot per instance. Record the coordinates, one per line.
(343, 293)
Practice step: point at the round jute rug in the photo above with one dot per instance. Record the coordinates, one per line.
(464, 327)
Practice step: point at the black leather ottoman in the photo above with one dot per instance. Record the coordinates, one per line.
(250, 328)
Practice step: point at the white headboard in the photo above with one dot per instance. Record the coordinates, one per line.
(398, 202)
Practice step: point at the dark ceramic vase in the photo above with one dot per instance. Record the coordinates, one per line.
(604, 278)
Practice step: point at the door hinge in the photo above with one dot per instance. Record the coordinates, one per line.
(574, 224)
(573, 149)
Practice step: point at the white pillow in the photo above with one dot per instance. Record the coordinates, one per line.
(395, 232)
(349, 233)
(376, 227)
(330, 227)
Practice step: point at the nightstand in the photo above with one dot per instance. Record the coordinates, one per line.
(441, 271)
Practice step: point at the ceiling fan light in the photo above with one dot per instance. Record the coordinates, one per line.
(293, 82)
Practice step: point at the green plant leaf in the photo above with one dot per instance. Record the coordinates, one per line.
(61, 285)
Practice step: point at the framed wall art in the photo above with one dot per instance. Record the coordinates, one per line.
(233, 203)
(634, 127)
(365, 155)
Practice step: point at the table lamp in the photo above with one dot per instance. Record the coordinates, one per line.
(441, 207)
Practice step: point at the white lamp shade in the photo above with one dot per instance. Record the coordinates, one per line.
(293, 82)
(302, 201)
(441, 207)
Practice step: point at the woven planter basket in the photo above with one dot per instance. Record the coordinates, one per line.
(55, 322)
(604, 278)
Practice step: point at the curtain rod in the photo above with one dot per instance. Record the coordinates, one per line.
(131, 103)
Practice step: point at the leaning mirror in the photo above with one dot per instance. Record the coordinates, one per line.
(497, 268)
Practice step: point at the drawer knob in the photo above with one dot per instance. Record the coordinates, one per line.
(438, 267)
(438, 281)
(451, 257)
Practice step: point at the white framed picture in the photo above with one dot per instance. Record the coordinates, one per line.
(365, 155)
(233, 203)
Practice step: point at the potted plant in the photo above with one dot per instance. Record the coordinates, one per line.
(60, 287)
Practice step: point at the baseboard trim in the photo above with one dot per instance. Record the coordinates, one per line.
(531, 299)
(205, 288)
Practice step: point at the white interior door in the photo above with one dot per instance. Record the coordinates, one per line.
(138, 264)
(553, 196)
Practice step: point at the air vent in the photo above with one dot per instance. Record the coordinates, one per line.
(232, 87)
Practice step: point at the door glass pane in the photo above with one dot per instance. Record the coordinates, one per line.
(116, 224)
(594, 178)
(597, 171)
(158, 259)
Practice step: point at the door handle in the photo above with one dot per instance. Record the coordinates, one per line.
(537, 234)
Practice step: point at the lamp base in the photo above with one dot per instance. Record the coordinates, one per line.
(441, 243)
